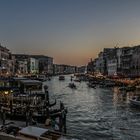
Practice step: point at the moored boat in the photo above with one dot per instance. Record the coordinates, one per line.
(42, 78)
(77, 80)
(30, 104)
(61, 77)
(72, 85)
(12, 132)
(91, 85)
(128, 88)
(135, 101)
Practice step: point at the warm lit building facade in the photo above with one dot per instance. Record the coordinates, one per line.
(123, 61)
(135, 62)
(6, 62)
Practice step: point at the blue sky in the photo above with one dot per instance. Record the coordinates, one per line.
(71, 31)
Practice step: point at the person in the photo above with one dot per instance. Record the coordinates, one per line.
(47, 122)
(52, 123)
(71, 78)
(3, 116)
(55, 125)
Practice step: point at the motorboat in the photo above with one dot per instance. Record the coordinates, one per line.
(42, 78)
(72, 85)
(91, 85)
(135, 101)
(13, 132)
(61, 77)
(77, 80)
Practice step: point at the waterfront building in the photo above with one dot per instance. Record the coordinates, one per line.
(108, 54)
(6, 63)
(119, 53)
(112, 67)
(126, 60)
(96, 66)
(90, 67)
(116, 61)
(82, 69)
(101, 63)
(11, 65)
(55, 69)
(63, 69)
(45, 64)
(21, 64)
(22, 67)
(69, 69)
(135, 63)
(33, 66)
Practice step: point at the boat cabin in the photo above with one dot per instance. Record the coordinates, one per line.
(42, 77)
(32, 86)
(26, 85)
(61, 77)
(15, 82)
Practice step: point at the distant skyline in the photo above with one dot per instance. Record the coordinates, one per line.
(70, 31)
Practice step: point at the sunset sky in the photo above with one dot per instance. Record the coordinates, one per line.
(70, 31)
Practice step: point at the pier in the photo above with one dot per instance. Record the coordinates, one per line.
(30, 104)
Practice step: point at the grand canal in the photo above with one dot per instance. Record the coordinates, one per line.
(96, 114)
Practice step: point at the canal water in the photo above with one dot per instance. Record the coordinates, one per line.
(96, 114)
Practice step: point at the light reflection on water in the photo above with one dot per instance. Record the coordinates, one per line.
(102, 114)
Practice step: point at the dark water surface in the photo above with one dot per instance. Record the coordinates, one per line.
(96, 114)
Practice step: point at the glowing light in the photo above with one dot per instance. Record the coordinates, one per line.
(6, 92)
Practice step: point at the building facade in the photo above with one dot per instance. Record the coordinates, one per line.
(123, 61)
(135, 62)
(112, 67)
(21, 64)
(126, 61)
(82, 69)
(90, 67)
(6, 62)
(33, 66)
(64, 69)
(45, 64)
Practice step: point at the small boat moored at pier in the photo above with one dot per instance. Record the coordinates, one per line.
(39, 133)
(12, 132)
